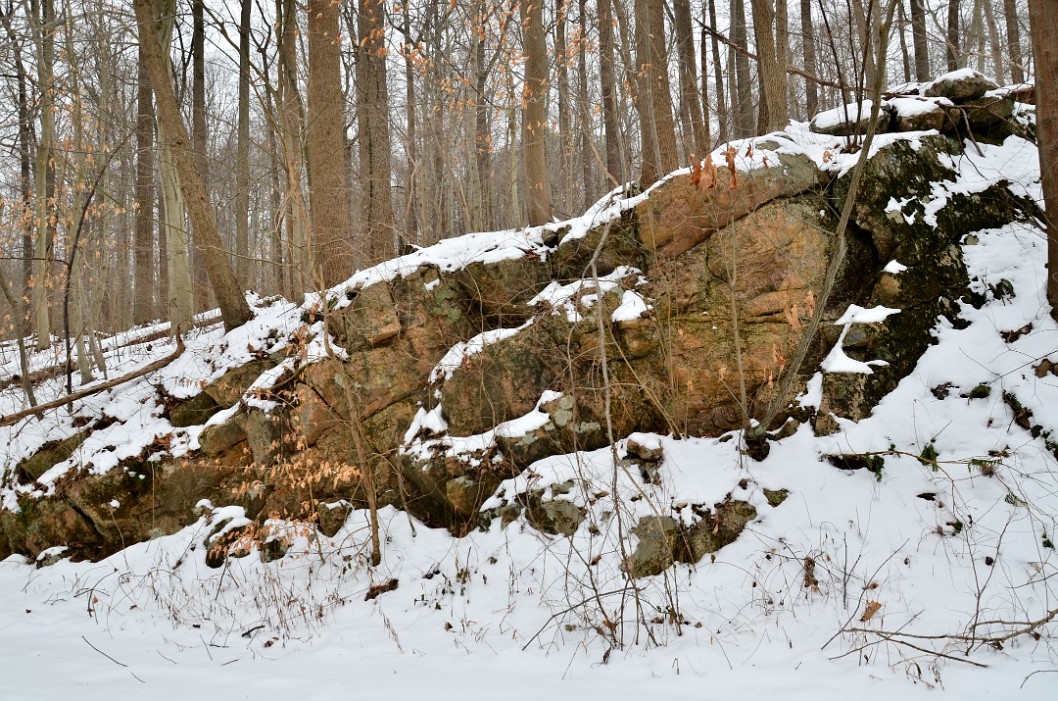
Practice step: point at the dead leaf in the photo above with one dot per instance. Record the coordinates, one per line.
(730, 156)
(868, 613)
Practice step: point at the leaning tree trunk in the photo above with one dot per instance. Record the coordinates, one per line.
(233, 307)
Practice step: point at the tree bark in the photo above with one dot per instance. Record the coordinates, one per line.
(534, 114)
(1010, 14)
(918, 32)
(233, 307)
(690, 104)
(741, 93)
(332, 256)
(723, 113)
(144, 255)
(654, 102)
(951, 38)
(773, 111)
(1043, 24)
(373, 119)
(608, 86)
(808, 47)
(242, 153)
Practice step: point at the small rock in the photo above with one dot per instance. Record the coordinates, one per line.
(645, 447)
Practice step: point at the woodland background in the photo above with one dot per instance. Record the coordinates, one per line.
(292, 142)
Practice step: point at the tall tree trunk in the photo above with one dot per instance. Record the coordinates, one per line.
(25, 159)
(918, 32)
(608, 86)
(242, 153)
(690, 105)
(741, 93)
(144, 257)
(199, 137)
(723, 114)
(773, 111)
(411, 146)
(905, 55)
(953, 53)
(808, 46)
(291, 119)
(1010, 14)
(1043, 24)
(995, 46)
(331, 254)
(703, 54)
(233, 307)
(43, 20)
(534, 114)
(584, 110)
(657, 131)
(373, 119)
(565, 131)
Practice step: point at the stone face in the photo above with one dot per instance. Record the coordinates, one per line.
(680, 215)
(749, 255)
(49, 455)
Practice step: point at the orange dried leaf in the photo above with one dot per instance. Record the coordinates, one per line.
(869, 611)
(730, 157)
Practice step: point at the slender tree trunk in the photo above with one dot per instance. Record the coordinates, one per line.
(565, 131)
(43, 19)
(291, 147)
(611, 133)
(690, 105)
(233, 307)
(905, 55)
(199, 139)
(584, 110)
(808, 45)
(1010, 14)
(144, 257)
(1043, 24)
(242, 153)
(995, 46)
(534, 114)
(918, 33)
(953, 52)
(373, 119)
(411, 146)
(723, 113)
(741, 93)
(25, 159)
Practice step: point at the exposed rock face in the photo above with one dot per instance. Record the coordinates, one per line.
(450, 382)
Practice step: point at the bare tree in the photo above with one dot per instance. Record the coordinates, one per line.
(1010, 14)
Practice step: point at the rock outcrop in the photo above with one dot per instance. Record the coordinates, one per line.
(676, 311)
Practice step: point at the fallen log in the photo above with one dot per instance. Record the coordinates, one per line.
(11, 419)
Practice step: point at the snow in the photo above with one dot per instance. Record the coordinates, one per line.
(511, 611)
(853, 113)
(894, 267)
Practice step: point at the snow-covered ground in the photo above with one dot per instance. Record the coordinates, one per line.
(901, 583)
